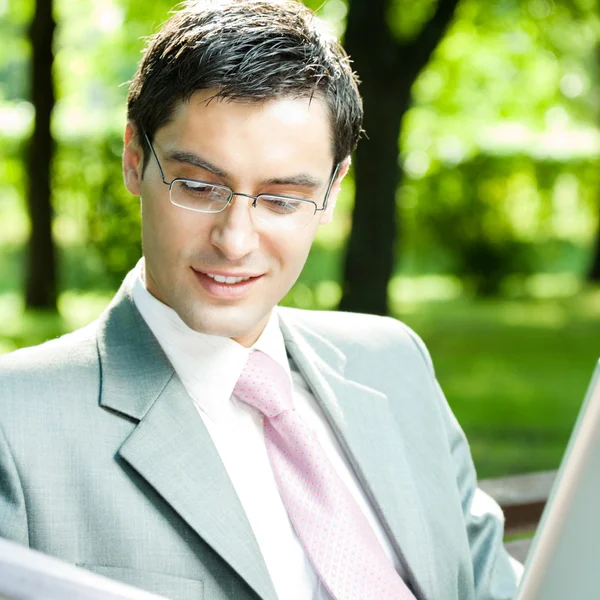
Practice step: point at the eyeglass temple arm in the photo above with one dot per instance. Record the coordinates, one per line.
(331, 181)
(155, 157)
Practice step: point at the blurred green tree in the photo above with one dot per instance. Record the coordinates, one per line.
(388, 62)
(520, 152)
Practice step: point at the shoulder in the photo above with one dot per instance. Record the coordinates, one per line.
(66, 366)
(342, 323)
(360, 332)
(67, 351)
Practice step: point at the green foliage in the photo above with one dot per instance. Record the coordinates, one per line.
(14, 50)
(12, 184)
(486, 218)
(407, 17)
(89, 188)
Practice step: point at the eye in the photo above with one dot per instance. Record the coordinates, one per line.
(282, 205)
(199, 195)
(197, 187)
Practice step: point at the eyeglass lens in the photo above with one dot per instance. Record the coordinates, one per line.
(274, 210)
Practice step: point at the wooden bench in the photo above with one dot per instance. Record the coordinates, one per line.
(522, 498)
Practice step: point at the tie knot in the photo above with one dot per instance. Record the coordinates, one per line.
(264, 385)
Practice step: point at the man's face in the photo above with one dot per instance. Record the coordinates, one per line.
(273, 148)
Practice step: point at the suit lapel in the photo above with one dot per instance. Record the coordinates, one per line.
(172, 450)
(170, 447)
(362, 421)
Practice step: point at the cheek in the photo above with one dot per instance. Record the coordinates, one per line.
(293, 249)
(169, 226)
(155, 226)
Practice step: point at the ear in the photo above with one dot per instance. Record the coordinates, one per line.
(133, 160)
(327, 214)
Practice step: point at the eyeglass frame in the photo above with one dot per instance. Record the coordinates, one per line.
(232, 193)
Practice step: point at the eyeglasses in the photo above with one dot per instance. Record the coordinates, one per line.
(278, 211)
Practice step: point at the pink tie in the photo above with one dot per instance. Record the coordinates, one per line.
(336, 535)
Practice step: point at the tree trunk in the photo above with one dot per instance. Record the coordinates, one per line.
(40, 286)
(371, 246)
(594, 270)
(388, 69)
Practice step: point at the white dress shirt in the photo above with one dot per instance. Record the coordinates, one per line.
(209, 367)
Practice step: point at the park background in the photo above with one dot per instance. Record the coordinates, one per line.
(471, 212)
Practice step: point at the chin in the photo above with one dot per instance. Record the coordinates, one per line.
(202, 322)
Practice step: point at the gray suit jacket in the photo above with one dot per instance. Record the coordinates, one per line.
(105, 462)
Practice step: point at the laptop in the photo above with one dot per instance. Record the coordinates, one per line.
(564, 560)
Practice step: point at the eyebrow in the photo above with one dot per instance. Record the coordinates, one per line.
(302, 179)
(189, 158)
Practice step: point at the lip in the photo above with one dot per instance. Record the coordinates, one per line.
(228, 273)
(226, 290)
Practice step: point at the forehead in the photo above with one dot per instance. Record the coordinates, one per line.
(242, 135)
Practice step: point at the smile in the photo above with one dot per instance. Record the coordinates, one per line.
(225, 286)
(226, 279)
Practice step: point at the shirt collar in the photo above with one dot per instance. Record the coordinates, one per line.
(208, 365)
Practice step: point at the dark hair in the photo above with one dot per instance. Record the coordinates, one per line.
(250, 51)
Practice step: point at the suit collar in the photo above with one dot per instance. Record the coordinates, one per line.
(207, 365)
(134, 369)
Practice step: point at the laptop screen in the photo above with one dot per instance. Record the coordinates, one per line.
(564, 561)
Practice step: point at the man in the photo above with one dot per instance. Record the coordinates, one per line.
(196, 440)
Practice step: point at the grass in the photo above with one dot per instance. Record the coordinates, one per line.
(515, 373)
(514, 370)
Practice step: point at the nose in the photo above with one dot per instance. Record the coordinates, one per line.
(233, 232)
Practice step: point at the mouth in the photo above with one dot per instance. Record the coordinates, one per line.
(228, 279)
(226, 285)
